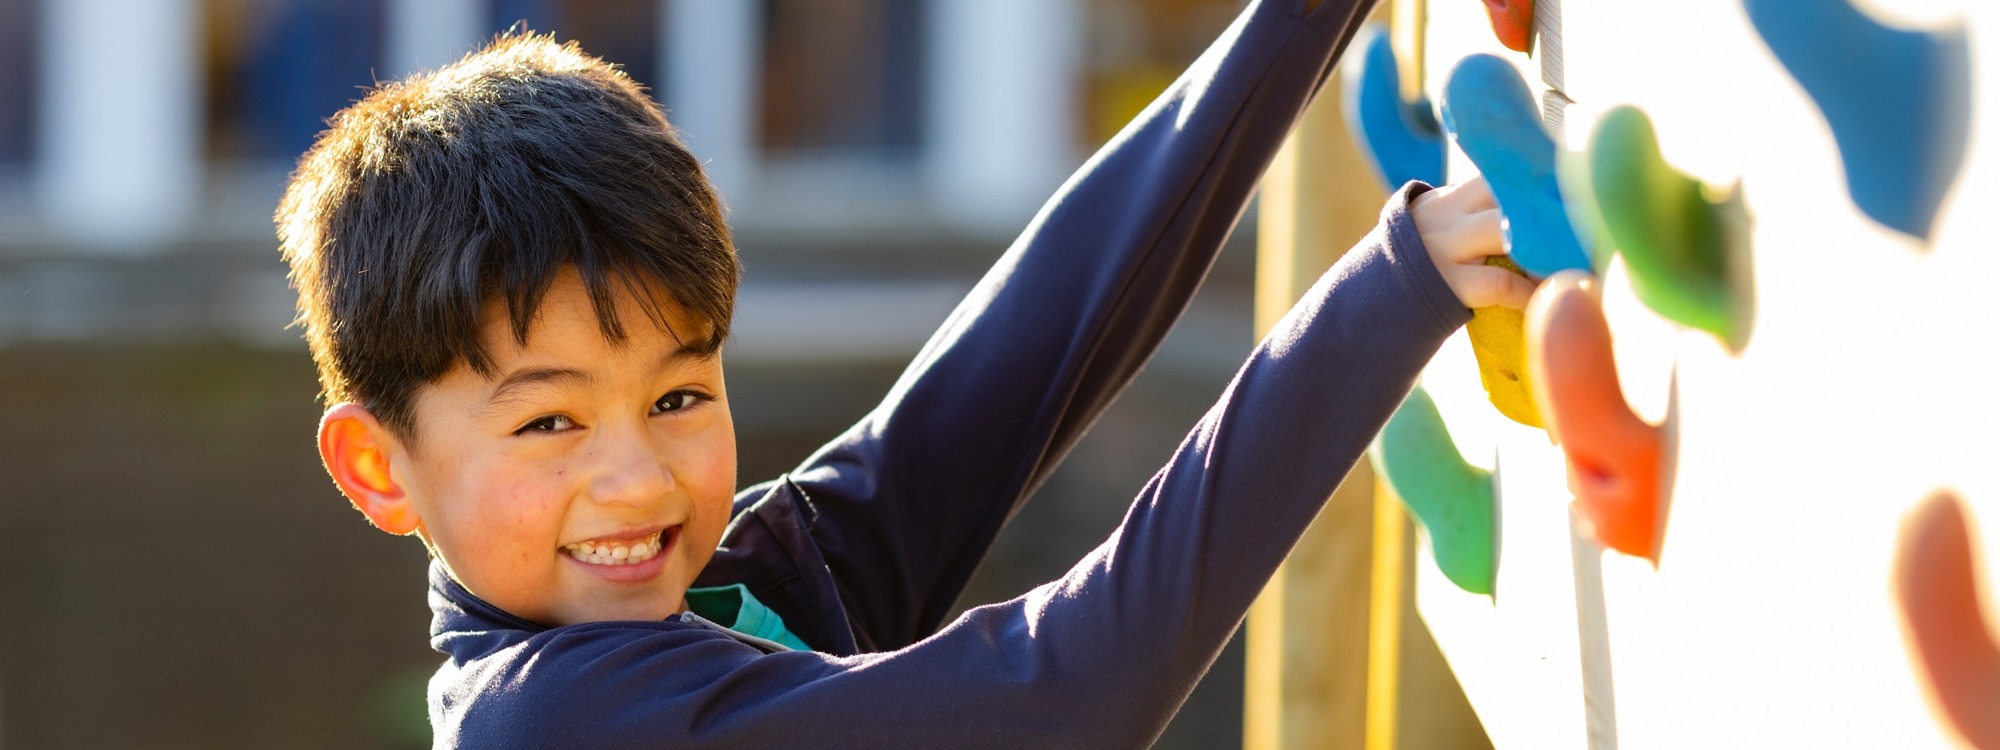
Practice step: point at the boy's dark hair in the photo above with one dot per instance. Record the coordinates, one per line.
(434, 196)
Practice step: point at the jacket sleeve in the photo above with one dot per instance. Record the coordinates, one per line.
(910, 498)
(1101, 657)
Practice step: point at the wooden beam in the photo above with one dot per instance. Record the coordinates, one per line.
(1414, 701)
(1306, 676)
(1387, 615)
(1336, 655)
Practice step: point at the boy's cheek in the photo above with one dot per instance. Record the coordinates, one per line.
(497, 522)
(713, 502)
(708, 465)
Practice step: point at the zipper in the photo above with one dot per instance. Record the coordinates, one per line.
(761, 644)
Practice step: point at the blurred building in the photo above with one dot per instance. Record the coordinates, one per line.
(176, 572)
(148, 127)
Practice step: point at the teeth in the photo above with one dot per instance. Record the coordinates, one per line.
(603, 553)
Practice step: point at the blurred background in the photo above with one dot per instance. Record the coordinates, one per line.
(175, 569)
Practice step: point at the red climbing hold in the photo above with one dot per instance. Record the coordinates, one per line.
(1615, 458)
(1938, 586)
(1513, 22)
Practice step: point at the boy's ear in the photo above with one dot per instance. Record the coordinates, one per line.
(356, 449)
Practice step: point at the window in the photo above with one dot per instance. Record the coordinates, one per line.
(842, 76)
(19, 74)
(276, 69)
(1137, 47)
(624, 32)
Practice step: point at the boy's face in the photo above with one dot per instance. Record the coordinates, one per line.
(585, 480)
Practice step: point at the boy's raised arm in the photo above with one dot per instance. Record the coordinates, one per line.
(1101, 657)
(909, 500)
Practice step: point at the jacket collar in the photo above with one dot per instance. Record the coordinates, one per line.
(464, 626)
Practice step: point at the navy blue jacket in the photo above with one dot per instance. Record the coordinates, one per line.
(863, 549)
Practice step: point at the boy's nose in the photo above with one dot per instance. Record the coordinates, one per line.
(629, 469)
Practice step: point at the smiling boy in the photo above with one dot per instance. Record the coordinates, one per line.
(582, 480)
(517, 285)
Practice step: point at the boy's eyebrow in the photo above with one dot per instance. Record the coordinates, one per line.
(561, 376)
(534, 376)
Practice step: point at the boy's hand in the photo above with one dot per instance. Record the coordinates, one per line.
(1460, 226)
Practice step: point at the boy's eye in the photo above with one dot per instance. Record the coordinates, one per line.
(551, 423)
(676, 401)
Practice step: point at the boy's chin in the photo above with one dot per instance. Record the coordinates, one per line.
(654, 600)
(578, 613)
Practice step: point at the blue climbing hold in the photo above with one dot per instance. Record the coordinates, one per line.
(1898, 101)
(1401, 140)
(1492, 116)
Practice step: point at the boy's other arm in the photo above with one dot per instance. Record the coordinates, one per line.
(1101, 657)
(910, 498)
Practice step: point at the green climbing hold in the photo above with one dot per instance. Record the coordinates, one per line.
(1452, 499)
(1677, 241)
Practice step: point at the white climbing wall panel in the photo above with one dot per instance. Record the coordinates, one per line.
(1871, 378)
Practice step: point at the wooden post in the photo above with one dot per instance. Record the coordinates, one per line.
(1388, 614)
(1306, 675)
(1336, 656)
(1414, 701)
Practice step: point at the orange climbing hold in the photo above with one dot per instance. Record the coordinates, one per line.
(1938, 588)
(1614, 456)
(1513, 22)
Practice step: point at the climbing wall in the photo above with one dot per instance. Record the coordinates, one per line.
(1773, 346)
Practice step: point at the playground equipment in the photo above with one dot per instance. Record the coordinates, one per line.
(1764, 229)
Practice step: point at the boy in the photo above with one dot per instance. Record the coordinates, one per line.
(517, 284)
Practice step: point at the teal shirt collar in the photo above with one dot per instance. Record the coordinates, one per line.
(733, 607)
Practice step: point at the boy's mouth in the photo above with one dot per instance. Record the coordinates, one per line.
(618, 551)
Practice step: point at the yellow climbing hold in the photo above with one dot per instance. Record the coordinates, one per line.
(1499, 342)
